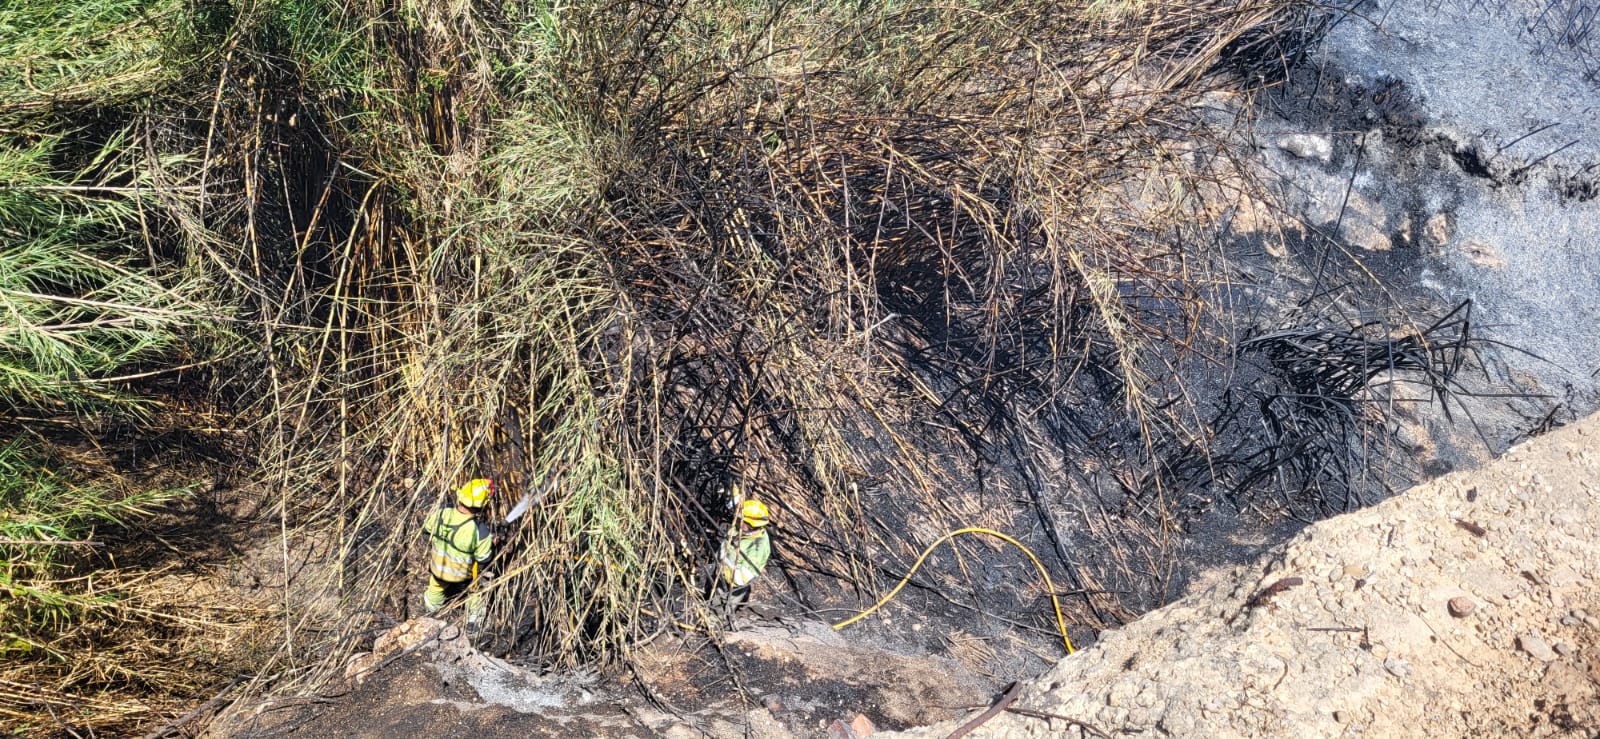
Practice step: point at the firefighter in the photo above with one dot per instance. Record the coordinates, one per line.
(745, 553)
(462, 545)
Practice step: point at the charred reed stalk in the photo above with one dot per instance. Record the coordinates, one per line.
(840, 254)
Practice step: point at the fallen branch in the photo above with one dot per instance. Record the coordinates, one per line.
(190, 716)
(994, 710)
(1070, 721)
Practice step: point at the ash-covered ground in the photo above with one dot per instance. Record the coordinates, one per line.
(1462, 162)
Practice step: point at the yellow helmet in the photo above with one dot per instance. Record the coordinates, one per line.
(476, 493)
(754, 513)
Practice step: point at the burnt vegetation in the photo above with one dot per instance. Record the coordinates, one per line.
(895, 269)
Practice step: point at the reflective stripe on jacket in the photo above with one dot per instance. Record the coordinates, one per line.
(744, 557)
(458, 540)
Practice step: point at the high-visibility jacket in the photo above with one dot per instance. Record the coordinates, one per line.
(459, 540)
(744, 557)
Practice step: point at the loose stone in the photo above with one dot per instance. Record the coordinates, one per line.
(1307, 146)
(1536, 647)
(1461, 606)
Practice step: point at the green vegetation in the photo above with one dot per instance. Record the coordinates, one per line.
(641, 250)
(45, 520)
(80, 288)
(75, 55)
(93, 299)
(78, 304)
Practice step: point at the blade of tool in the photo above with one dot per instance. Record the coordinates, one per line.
(527, 502)
(521, 508)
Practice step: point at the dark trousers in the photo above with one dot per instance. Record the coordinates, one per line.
(724, 597)
(452, 590)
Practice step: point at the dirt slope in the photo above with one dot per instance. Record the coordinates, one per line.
(1461, 608)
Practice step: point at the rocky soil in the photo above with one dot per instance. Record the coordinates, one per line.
(1465, 607)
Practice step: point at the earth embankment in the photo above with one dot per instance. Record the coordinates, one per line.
(1464, 607)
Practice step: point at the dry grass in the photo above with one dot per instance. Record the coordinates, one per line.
(105, 625)
(973, 652)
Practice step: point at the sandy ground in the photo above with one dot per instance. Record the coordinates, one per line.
(1464, 608)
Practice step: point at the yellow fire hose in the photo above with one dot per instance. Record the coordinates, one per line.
(1061, 621)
